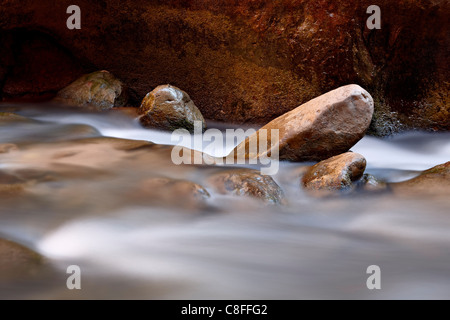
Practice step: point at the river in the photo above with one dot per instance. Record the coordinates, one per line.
(232, 248)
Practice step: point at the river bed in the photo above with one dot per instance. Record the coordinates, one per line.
(231, 248)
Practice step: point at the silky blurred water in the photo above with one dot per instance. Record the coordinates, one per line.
(233, 248)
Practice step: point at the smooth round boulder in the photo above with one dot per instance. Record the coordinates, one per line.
(97, 91)
(169, 108)
(324, 127)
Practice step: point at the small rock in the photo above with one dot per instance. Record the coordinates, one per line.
(246, 182)
(169, 108)
(15, 259)
(336, 173)
(434, 181)
(371, 184)
(321, 128)
(98, 91)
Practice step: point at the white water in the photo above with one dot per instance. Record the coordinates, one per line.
(408, 151)
(310, 248)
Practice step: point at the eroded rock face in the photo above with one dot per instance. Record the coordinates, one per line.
(336, 173)
(251, 61)
(246, 182)
(95, 91)
(33, 65)
(169, 108)
(323, 127)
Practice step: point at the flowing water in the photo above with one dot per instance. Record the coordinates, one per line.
(87, 214)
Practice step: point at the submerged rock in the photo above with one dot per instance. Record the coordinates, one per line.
(98, 91)
(434, 181)
(169, 108)
(336, 173)
(8, 147)
(17, 260)
(171, 192)
(246, 182)
(116, 143)
(321, 128)
(9, 117)
(12, 185)
(371, 183)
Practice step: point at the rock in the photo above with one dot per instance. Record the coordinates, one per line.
(321, 128)
(17, 260)
(371, 184)
(24, 132)
(171, 192)
(336, 173)
(246, 182)
(116, 143)
(9, 117)
(434, 181)
(96, 91)
(8, 147)
(169, 108)
(36, 65)
(245, 61)
(12, 185)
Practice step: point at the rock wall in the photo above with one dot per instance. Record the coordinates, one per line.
(242, 61)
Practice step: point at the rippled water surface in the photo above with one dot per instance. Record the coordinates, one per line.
(88, 214)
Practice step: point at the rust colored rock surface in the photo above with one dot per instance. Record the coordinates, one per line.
(170, 192)
(250, 61)
(249, 183)
(34, 66)
(321, 128)
(336, 173)
(17, 260)
(95, 91)
(432, 182)
(169, 108)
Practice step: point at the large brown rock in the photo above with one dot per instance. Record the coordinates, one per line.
(242, 61)
(169, 108)
(321, 128)
(336, 173)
